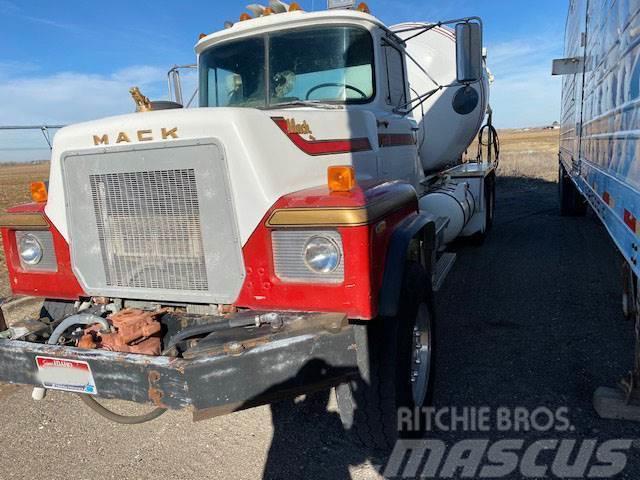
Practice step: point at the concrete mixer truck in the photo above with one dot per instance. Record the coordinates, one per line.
(286, 235)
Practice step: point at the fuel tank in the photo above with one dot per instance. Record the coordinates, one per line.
(450, 119)
(454, 201)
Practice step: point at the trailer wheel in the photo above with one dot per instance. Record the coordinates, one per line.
(572, 203)
(56, 310)
(395, 357)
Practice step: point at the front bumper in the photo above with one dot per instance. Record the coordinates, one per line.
(233, 370)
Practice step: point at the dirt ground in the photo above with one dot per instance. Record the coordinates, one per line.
(532, 318)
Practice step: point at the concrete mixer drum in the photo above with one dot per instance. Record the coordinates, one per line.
(451, 117)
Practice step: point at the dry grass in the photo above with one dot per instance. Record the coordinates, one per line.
(531, 154)
(15, 179)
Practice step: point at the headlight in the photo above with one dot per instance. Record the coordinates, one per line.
(308, 256)
(321, 254)
(29, 249)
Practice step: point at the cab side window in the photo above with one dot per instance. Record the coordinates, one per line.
(394, 66)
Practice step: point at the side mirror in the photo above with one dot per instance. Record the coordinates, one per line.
(468, 52)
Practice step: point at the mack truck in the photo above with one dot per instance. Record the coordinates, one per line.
(287, 234)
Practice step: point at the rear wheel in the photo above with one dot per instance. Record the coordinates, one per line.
(572, 203)
(395, 357)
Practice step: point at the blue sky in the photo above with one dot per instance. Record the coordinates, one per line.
(66, 61)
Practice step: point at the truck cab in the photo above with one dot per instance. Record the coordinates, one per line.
(346, 61)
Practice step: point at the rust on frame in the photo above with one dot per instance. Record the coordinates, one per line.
(155, 393)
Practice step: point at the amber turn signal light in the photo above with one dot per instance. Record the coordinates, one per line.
(341, 178)
(39, 192)
(294, 7)
(245, 16)
(363, 7)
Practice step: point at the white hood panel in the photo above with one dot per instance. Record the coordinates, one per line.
(264, 164)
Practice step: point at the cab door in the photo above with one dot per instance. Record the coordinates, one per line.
(398, 154)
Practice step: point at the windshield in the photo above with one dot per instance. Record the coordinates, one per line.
(333, 65)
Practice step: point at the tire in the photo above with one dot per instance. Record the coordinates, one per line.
(56, 310)
(572, 203)
(387, 349)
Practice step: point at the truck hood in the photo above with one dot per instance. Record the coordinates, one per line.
(269, 153)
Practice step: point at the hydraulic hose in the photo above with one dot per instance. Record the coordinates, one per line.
(93, 404)
(195, 331)
(88, 400)
(492, 143)
(198, 330)
(78, 319)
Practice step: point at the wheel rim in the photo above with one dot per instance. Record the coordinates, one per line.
(421, 355)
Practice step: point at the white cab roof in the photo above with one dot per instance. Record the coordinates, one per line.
(287, 20)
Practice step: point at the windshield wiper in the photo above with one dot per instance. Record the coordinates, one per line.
(305, 103)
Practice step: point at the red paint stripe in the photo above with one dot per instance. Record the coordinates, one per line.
(395, 139)
(324, 147)
(630, 220)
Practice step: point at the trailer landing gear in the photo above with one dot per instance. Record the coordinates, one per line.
(623, 403)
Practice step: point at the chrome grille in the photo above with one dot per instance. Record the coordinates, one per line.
(154, 221)
(149, 229)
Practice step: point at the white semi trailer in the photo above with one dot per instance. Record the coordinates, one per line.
(598, 159)
(285, 235)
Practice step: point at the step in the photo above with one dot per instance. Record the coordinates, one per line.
(443, 266)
